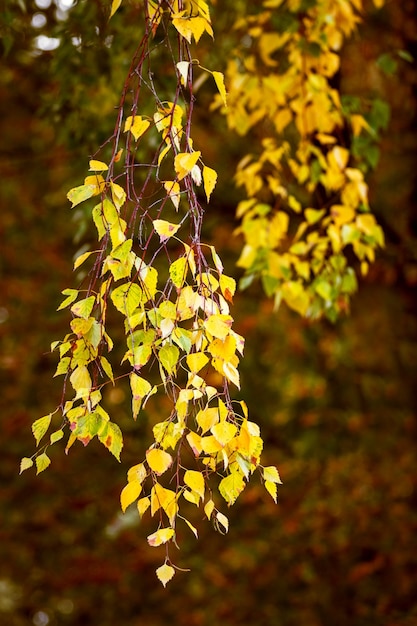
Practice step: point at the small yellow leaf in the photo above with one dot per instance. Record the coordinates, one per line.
(219, 78)
(165, 573)
(218, 325)
(25, 464)
(158, 460)
(271, 473)
(209, 179)
(224, 432)
(114, 6)
(165, 229)
(130, 493)
(137, 125)
(97, 166)
(197, 361)
(271, 489)
(160, 537)
(80, 259)
(195, 481)
(40, 426)
(143, 505)
(42, 462)
(184, 163)
(208, 508)
(173, 190)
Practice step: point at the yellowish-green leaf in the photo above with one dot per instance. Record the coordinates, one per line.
(42, 462)
(71, 294)
(111, 437)
(231, 487)
(40, 426)
(130, 494)
(80, 259)
(160, 537)
(168, 356)
(178, 271)
(81, 193)
(25, 464)
(165, 573)
(271, 473)
(158, 460)
(83, 308)
(209, 180)
(56, 436)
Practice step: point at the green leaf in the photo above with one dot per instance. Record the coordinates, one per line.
(40, 426)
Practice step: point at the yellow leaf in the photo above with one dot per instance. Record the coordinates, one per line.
(114, 6)
(195, 443)
(165, 499)
(158, 460)
(184, 163)
(231, 486)
(80, 259)
(222, 521)
(231, 373)
(25, 464)
(137, 473)
(137, 125)
(130, 493)
(219, 79)
(227, 286)
(197, 361)
(97, 166)
(165, 229)
(224, 432)
(218, 325)
(195, 481)
(160, 537)
(42, 462)
(206, 418)
(271, 489)
(165, 573)
(80, 379)
(143, 505)
(209, 180)
(173, 190)
(208, 508)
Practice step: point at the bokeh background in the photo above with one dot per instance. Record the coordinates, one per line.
(336, 402)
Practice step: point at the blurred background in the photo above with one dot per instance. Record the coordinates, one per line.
(336, 402)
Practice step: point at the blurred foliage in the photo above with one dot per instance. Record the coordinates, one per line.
(336, 402)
